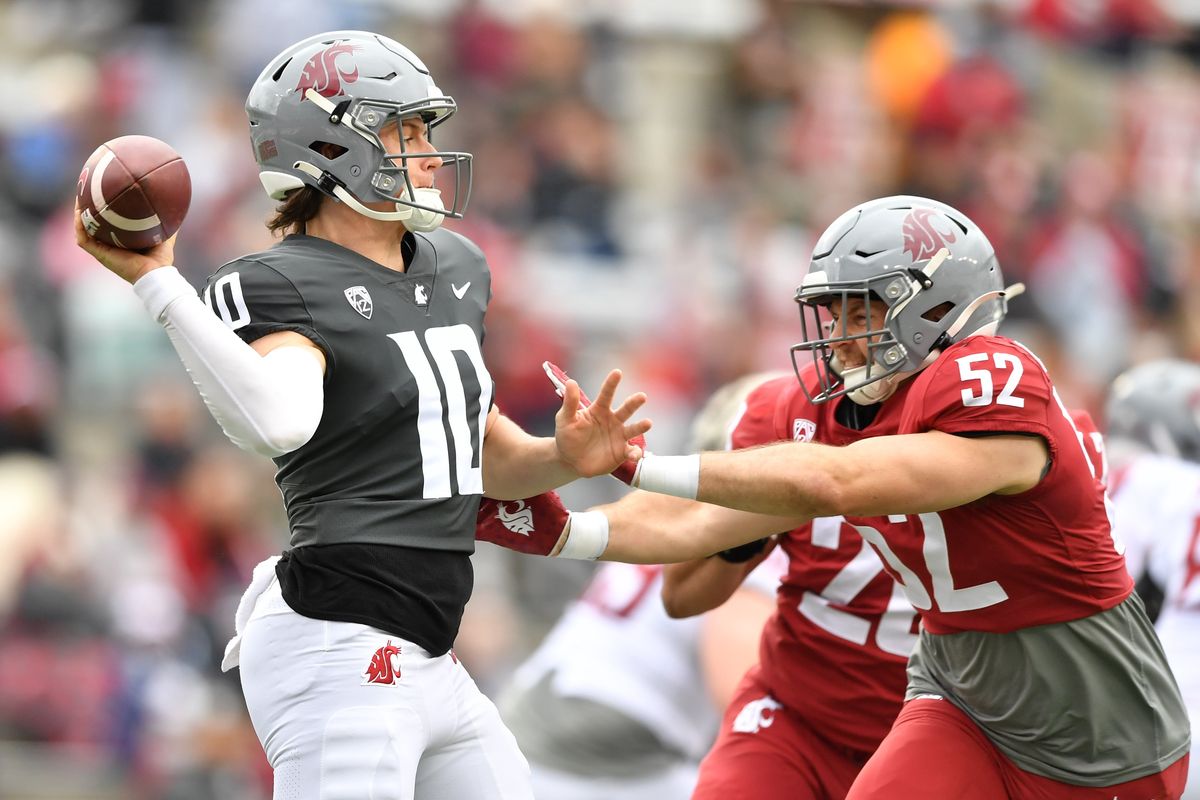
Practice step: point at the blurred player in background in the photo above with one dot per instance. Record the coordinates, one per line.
(620, 700)
(1153, 436)
(1037, 673)
(350, 354)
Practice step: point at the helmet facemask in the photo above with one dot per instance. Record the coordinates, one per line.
(888, 361)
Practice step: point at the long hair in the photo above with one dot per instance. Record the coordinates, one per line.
(298, 207)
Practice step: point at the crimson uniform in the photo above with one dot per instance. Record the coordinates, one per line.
(1029, 621)
(831, 674)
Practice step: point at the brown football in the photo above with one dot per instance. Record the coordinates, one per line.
(134, 192)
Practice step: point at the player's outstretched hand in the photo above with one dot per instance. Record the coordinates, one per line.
(595, 438)
(626, 469)
(127, 264)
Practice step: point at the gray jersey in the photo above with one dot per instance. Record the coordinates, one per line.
(1089, 702)
(396, 459)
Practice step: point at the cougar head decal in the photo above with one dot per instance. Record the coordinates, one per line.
(385, 666)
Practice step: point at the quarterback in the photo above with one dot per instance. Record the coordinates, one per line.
(1036, 673)
(350, 354)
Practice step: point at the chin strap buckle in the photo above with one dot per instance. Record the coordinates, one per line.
(327, 183)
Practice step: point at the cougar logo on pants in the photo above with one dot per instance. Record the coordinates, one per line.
(385, 666)
(756, 715)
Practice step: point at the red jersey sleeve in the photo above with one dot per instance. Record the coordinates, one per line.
(764, 412)
(984, 385)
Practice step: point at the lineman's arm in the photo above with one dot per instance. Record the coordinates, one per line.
(694, 587)
(908, 474)
(658, 532)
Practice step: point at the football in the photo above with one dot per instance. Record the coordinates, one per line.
(134, 192)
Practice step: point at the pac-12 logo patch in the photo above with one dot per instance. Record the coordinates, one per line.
(360, 300)
(384, 667)
(803, 430)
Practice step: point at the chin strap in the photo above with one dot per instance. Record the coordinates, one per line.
(415, 219)
(885, 387)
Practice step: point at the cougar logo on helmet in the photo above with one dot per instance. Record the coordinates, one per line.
(921, 239)
(384, 667)
(322, 73)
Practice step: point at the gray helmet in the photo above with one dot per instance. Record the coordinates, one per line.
(341, 89)
(1156, 406)
(929, 265)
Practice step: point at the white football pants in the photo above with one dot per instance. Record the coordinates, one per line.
(332, 734)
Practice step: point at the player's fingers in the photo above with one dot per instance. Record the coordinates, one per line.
(633, 452)
(631, 404)
(608, 389)
(570, 404)
(636, 429)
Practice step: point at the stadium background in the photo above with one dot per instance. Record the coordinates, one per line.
(649, 178)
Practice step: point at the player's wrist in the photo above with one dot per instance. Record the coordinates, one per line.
(585, 536)
(678, 476)
(161, 286)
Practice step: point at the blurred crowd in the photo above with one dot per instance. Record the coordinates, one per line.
(649, 180)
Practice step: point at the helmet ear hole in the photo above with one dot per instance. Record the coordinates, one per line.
(329, 150)
(938, 312)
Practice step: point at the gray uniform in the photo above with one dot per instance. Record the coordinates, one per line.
(396, 458)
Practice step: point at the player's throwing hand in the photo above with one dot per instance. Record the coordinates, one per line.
(127, 264)
(594, 439)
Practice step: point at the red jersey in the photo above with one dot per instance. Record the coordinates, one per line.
(1003, 563)
(836, 647)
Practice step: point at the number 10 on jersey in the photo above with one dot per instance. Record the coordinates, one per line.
(431, 431)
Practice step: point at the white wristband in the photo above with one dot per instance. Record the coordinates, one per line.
(587, 536)
(160, 287)
(678, 476)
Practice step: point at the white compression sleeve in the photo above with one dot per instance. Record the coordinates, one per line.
(269, 404)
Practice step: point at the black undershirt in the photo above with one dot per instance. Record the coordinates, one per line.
(413, 593)
(853, 416)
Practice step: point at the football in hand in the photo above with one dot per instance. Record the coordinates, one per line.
(134, 192)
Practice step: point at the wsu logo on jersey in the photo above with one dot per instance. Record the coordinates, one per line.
(803, 430)
(756, 715)
(322, 74)
(519, 520)
(921, 239)
(360, 300)
(384, 667)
